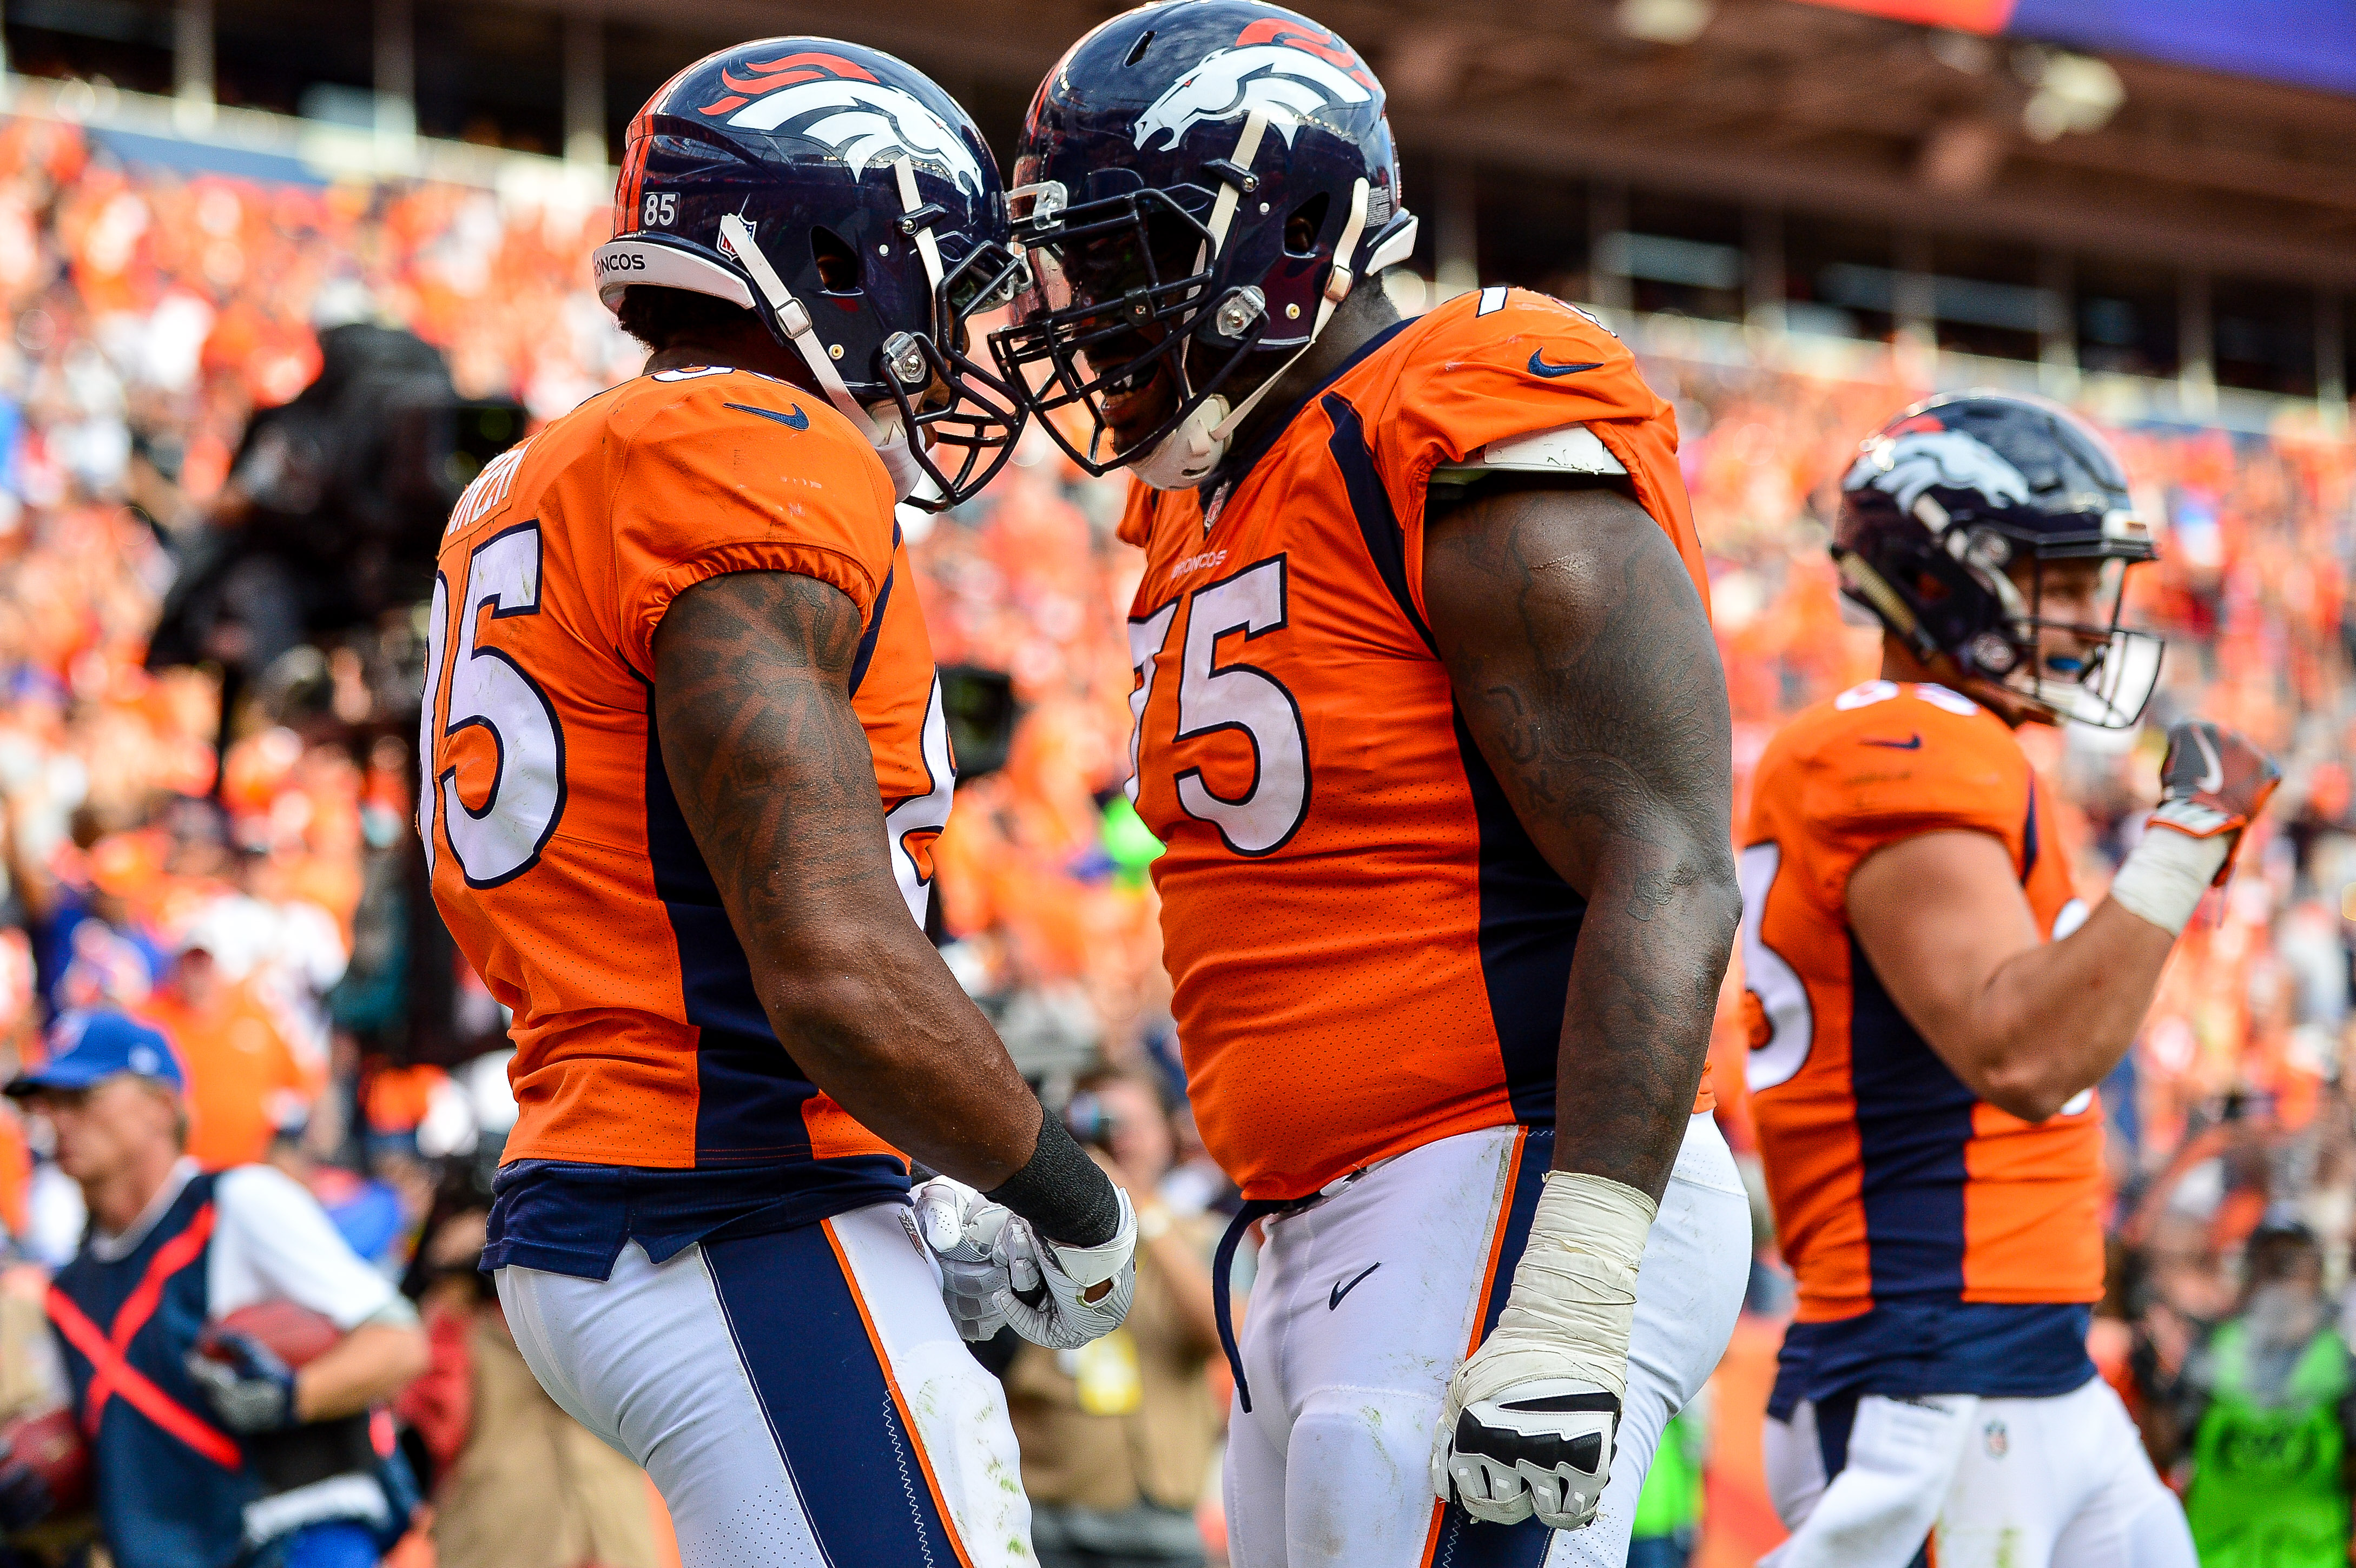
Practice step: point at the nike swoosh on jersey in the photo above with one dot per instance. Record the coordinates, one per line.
(795, 421)
(1342, 1290)
(1538, 365)
(1912, 743)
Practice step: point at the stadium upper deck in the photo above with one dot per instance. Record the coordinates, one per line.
(1760, 162)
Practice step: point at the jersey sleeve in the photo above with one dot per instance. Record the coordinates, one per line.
(1906, 766)
(744, 475)
(1506, 363)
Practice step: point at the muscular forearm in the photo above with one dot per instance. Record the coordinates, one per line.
(367, 1366)
(1583, 665)
(772, 772)
(2055, 1018)
(875, 1015)
(1643, 990)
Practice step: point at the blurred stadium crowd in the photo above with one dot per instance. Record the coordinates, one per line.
(251, 903)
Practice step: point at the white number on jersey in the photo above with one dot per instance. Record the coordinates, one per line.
(912, 826)
(1145, 640)
(1783, 995)
(1238, 696)
(487, 688)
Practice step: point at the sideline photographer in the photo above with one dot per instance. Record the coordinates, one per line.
(1117, 1436)
(207, 1448)
(332, 508)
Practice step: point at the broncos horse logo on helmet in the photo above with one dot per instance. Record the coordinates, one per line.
(1200, 184)
(827, 99)
(1946, 497)
(1287, 83)
(851, 205)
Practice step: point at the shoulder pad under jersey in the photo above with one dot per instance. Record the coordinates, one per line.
(1568, 451)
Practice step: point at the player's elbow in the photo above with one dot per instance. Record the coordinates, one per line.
(2022, 1081)
(1697, 885)
(1720, 895)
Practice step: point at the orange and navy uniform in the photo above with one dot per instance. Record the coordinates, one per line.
(1369, 952)
(1941, 1244)
(654, 1100)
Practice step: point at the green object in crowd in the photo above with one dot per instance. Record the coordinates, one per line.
(2266, 1485)
(1671, 1500)
(1126, 839)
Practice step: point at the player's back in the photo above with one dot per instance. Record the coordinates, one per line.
(1366, 949)
(559, 857)
(1926, 1227)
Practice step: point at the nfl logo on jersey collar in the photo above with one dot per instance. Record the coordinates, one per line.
(1215, 506)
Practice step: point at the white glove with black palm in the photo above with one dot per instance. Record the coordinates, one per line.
(1530, 1420)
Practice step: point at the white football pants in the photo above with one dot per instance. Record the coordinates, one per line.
(799, 1398)
(2006, 1483)
(1365, 1306)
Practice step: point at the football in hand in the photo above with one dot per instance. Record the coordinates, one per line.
(295, 1335)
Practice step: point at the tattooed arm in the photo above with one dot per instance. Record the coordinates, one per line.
(1583, 665)
(773, 773)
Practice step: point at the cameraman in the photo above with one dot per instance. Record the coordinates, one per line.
(206, 1459)
(1116, 1436)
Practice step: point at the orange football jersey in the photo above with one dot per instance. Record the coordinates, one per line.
(560, 857)
(1894, 1186)
(1367, 951)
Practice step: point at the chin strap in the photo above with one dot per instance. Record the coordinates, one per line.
(1187, 456)
(1339, 281)
(904, 167)
(794, 320)
(1223, 208)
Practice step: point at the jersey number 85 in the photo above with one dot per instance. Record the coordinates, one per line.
(501, 839)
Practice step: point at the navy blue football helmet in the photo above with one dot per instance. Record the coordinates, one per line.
(1199, 185)
(851, 205)
(1949, 519)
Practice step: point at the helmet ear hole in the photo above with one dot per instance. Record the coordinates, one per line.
(1307, 222)
(838, 270)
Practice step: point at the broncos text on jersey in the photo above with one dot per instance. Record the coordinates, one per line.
(1368, 952)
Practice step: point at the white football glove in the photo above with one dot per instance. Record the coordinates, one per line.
(1046, 1293)
(961, 1229)
(1530, 1420)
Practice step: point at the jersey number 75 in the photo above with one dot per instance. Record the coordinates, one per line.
(1234, 696)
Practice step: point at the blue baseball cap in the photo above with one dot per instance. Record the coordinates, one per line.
(89, 1048)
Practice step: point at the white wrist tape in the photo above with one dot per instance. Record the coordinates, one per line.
(2165, 876)
(1574, 1296)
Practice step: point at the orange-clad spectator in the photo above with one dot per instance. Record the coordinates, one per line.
(244, 1084)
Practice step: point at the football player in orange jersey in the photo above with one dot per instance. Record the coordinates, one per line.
(1931, 1009)
(685, 762)
(1430, 719)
